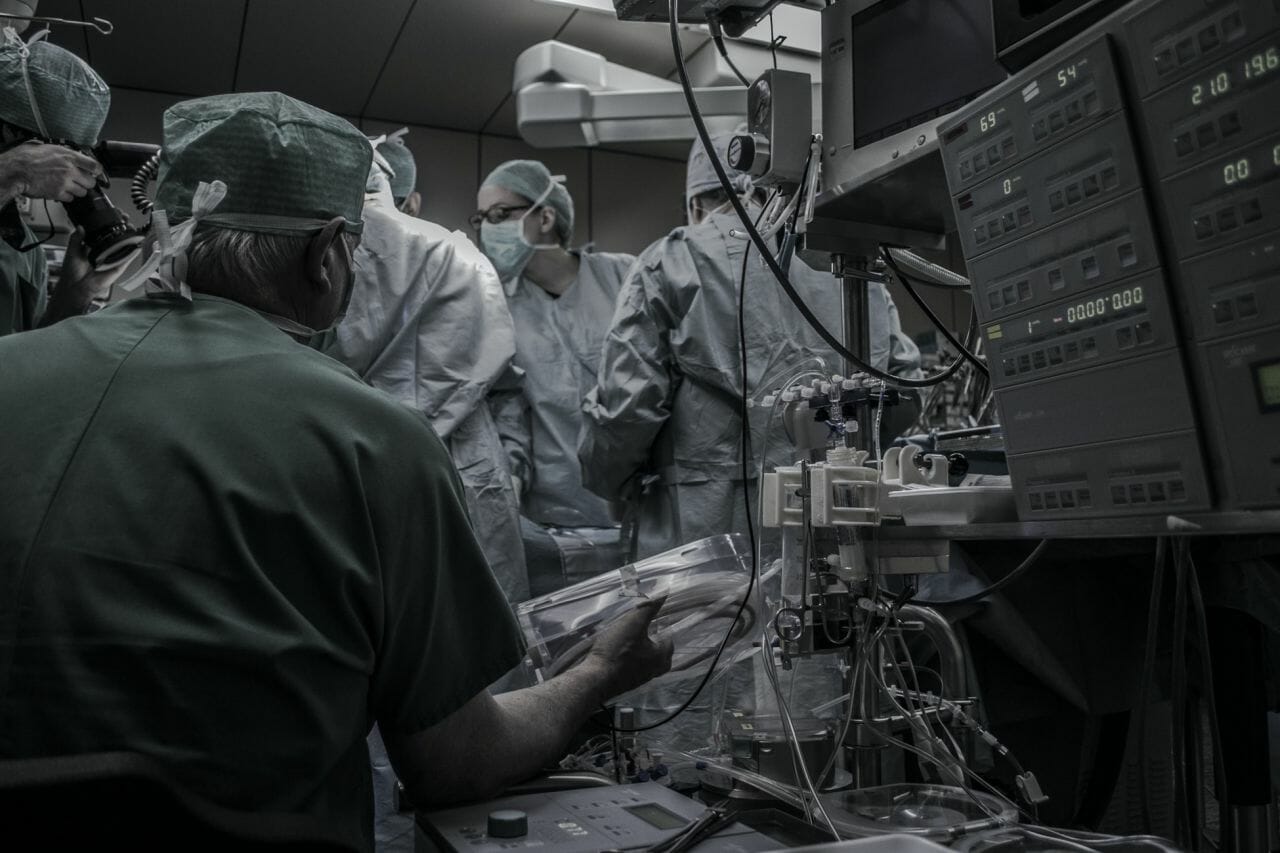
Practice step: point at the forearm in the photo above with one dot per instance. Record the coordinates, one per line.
(494, 742)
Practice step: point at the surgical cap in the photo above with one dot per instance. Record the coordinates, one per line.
(529, 178)
(700, 174)
(71, 100)
(404, 179)
(289, 167)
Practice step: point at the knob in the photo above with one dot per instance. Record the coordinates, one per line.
(508, 823)
(742, 152)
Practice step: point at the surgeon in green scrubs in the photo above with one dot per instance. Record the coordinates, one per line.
(233, 556)
(46, 93)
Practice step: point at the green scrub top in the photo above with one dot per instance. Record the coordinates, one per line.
(24, 276)
(231, 555)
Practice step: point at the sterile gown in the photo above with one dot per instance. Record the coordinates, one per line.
(663, 429)
(23, 275)
(429, 325)
(558, 342)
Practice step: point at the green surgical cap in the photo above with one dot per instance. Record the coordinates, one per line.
(71, 99)
(700, 175)
(289, 167)
(529, 179)
(400, 159)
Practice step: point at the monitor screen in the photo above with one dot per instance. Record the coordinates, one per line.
(914, 60)
(1266, 380)
(656, 816)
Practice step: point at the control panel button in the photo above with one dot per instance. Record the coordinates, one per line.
(508, 823)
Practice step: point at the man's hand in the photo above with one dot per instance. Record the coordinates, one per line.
(43, 170)
(78, 283)
(492, 742)
(626, 655)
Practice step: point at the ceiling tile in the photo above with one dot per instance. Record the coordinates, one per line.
(317, 50)
(186, 46)
(71, 37)
(452, 65)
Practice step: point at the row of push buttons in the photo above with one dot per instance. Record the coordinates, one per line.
(1207, 134)
(1053, 122)
(1188, 47)
(1012, 294)
(981, 161)
(1155, 491)
(1241, 307)
(1062, 499)
(1087, 187)
(1006, 223)
(1127, 337)
(1072, 351)
(1227, 218)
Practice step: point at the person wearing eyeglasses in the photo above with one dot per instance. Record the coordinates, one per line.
(561, 302)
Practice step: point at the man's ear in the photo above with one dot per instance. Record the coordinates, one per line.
(320, 271)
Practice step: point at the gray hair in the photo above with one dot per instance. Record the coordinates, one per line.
(246, 265)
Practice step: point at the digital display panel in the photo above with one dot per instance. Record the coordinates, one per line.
(656, 816)
(898, 47)
(1266, 379)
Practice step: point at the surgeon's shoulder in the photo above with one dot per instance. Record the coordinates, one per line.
(675, 248)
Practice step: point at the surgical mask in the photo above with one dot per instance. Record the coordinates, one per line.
(505, 245)
(690, 210)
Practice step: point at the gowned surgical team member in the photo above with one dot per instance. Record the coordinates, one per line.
(46, 93)
(404, 172)
(428, 325)
(561, 302)
(664, 427)
(231, 554)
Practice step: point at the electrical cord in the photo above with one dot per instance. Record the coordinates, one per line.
(1202, 633)
(929, 312)
(1178, 679)
(1144, 679)
(746, 497)
(1021, 569)
(141, 179)
(809, 317)
(717, 38)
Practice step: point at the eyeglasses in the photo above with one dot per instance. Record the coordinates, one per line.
(495, 214)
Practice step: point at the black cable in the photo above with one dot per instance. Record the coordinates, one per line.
(717, 38)
(1018, 572)
(809, 317)
(933, 317)
(746, 500)
(1144, 679)
(1178, 678)
(1202, 633)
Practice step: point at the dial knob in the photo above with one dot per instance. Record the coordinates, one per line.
(742, 152)
(508, 823)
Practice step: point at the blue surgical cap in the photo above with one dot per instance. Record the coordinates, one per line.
(400, 159)
(529, 179)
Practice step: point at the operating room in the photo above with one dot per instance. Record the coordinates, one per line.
(640, 425)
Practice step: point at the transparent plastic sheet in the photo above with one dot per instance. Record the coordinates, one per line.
(932, 811)
(703, 582)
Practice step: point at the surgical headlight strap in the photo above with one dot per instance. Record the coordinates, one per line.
(11, 37)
